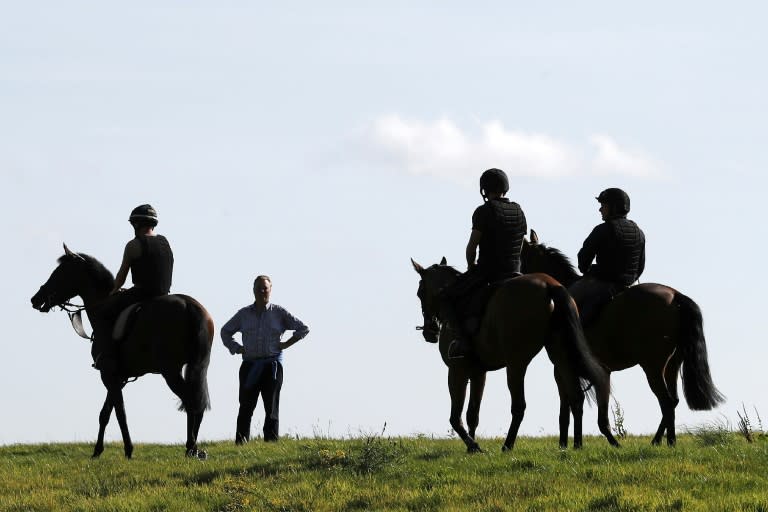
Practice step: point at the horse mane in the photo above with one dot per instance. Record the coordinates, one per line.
(102, 277)
(559, 265)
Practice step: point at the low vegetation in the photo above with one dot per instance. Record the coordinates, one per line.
(710, 469)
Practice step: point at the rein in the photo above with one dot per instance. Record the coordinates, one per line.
(74, 312)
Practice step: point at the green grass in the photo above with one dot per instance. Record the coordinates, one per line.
(379, 473)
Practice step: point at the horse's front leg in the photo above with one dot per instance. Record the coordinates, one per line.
(457, 386)
(476, 388)
(117, 400)
(106, 412)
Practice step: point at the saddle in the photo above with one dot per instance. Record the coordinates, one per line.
(472, 306)
(125, 321)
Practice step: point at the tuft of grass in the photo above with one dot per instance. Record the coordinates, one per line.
(618, 427)
(368, 454)
(713, 433)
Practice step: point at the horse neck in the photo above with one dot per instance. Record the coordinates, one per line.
(557, 266)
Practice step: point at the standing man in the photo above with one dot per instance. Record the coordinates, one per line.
(261, 325)
(618, 248)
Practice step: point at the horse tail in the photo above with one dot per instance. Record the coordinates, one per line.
(199, 355)
(698, 388)
(566, 319)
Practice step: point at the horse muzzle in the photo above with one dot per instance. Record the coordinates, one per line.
(430, 333)
(41, 301)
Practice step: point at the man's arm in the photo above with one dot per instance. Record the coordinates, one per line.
(291, 323)
(228, 331)
(131, 252)
(641, 265)
(471, 251)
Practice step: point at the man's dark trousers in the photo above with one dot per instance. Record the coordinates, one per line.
(268, 385)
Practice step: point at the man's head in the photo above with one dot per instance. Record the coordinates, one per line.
(493, 183)
(143, 216)
(614, 202)
(262, 289)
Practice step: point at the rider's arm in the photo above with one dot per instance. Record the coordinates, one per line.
(589, 249)
(131, 252)
(471, 252)
(641, 265)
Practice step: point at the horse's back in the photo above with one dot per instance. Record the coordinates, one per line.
(516, 324)
(640, 324)
(167, 333)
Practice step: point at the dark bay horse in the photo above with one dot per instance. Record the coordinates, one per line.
(651, 325)
(171, 335)
(522, 316)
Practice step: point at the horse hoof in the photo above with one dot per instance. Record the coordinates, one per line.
(475, 448)
(202, 455)
(505, 448)
(194, 453)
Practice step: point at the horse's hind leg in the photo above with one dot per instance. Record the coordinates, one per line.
(476, 387)
(515, 383)
(571, 403)
(565, 414)
(667, 404)
(671, 373)
(176, 383)
(457, 386)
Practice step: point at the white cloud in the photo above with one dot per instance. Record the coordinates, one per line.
(441, 148)
(611, 159)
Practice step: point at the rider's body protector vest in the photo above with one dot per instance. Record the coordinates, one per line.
(503, 226)
(153, 270)
(620, 255)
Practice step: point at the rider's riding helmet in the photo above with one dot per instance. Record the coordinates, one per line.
(143, 215)
(494, 180)
(617, 199)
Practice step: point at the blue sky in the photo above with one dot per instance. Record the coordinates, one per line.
(325, 145)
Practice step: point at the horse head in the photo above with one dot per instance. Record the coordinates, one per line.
(433, 280)
(63, 284)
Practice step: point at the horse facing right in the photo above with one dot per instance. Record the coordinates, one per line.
(651, 325)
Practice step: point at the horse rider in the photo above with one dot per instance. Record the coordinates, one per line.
(149, 258)
(498, 229)
(618, 248)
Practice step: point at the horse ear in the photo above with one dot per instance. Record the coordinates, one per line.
(73, 254)
(418, 268)
(443, 261)
(534, 238)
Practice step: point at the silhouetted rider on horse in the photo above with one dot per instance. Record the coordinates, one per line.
(618, 246)
(498, 228)
(150, 259)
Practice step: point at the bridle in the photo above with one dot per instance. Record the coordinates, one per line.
(74, 312)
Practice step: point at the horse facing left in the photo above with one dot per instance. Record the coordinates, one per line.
(523, 315)
(171, 335)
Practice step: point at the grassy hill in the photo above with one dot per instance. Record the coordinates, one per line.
(720, 471)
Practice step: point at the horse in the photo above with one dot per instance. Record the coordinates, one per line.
(522, 315)
(649, 324)
(171, 335)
